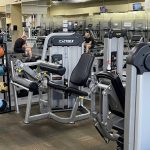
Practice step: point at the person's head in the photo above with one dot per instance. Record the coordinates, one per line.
(24, 37)
(87, 33)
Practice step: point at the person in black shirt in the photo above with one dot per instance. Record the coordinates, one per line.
(21, 46)
(89, 41)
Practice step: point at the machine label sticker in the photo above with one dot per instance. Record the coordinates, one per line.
(66, 41)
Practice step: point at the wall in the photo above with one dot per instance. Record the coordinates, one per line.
(121, 12)
(82, 10)
(33, 9)
(6, 2)
(90, 9)
(16, 19)
(2, 9)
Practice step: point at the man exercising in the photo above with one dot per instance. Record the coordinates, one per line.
(89, 41)
(21, 46)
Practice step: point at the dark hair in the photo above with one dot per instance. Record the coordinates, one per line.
(87, 30)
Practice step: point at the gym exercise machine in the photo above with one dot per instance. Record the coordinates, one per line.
(136, 39)
(64, 49)
(136, 126)
(69, 45)
(35, 81)
(114, 47)
(31, 80)
(122, 117)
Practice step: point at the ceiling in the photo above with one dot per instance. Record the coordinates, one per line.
(70, 1)
(53, 2)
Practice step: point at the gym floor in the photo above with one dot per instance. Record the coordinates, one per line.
(48, 135)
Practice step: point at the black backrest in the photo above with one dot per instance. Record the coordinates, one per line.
(117, 85)
(81, 72)
(120, 91)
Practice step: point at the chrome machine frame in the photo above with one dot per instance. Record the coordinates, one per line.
(133, 125)
(137, 107)
(48, 112)
(114, 42)
(71, 47)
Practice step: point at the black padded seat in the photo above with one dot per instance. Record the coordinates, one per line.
(75, 91)
(56, 86)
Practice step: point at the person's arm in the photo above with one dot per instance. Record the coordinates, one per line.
(90, 43)
(25, 45)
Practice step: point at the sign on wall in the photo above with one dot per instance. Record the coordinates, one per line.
(147, 4)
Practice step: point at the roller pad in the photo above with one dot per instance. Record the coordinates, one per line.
(60, 71)
(56, 86)
(33, 86)
(76, 91)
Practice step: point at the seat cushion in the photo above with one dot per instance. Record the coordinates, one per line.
(56, 86)
(75, 91)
